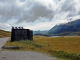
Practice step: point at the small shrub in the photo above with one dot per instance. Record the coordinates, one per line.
(37, 46)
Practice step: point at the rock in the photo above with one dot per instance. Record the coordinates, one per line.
(10, 47)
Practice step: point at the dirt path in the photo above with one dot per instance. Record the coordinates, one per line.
(3, 41)
(28, 55)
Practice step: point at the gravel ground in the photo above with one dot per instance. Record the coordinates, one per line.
(3, 41)
(28, 55)
(19, 55)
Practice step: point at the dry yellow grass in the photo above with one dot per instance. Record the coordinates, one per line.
(51, 45)
(66, 44)
(4, 33)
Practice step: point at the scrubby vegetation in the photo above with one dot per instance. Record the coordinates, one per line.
(64, 47)
(4, 33)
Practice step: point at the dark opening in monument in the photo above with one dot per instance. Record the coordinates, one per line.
(18, 33)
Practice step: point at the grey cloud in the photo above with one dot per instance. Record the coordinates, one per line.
(8, 1)
(8, 10)
(41, 10)
(36, 11)
(69, 7)
(33, 10)
(30, 11)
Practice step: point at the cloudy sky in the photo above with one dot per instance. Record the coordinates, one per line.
(37, 14)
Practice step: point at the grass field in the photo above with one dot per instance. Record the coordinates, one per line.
(4, 33)
(64, 47)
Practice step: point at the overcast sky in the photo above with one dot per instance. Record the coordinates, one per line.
(37, 14)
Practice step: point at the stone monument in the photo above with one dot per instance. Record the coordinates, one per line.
(18, 33)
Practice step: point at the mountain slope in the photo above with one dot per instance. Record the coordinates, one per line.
(73, 26)
(4, 33)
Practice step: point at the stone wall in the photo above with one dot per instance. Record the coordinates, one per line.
(18, 33)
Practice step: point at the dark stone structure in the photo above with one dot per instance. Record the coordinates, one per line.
(18, 33)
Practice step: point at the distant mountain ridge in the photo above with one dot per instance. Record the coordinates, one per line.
(37, 32)
(70, 27)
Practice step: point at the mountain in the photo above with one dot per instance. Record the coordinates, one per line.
(66, 29)
(41, 32)
(5, 33)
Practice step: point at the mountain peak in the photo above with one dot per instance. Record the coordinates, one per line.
(73, 26)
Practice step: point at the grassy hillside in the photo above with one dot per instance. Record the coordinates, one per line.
(65, 47)
(4, 33)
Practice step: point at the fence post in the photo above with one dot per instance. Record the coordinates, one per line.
(66, 46)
